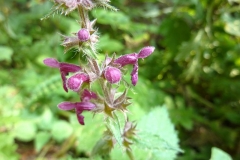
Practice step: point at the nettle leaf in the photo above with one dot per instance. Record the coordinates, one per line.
(41, 139)
(156, 138)
(25, 131)
(61, 130)
(219, 154)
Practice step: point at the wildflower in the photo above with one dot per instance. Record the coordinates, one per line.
(64, 68)
(75, 81)
(83, 35)
(133, 59)
(112, 74)
(79, 107)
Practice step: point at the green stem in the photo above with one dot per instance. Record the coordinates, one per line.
(83, 16)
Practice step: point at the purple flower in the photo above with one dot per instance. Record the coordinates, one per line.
(133, 60)
(145, 52)
(79, 108)
(134, 74)
(83, 35)
(75, 81)
(88, 95)
(65, 69)
(127, 59)
(112, 74)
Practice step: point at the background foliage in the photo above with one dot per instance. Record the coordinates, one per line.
(194, 72)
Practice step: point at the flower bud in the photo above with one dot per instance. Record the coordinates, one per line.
(74, 82)
(112, 74)
(145, 52)
(127, 59)
(83, 35)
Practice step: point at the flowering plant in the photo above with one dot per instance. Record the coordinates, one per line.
(108, 73)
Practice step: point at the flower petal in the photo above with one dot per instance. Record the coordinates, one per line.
(74, 82)
(80, 118)
(83, 35)
(64, 81)
(112, 74)
(68, 67)
(134, 74)
(88, 95)
(51, 62)
(66, 106)
(145, 52)
(127, 59)
(84, 106)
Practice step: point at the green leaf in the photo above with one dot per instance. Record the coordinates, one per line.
(45, 122)
(219, 154)
(25, 131)
(61, 130)
(41, 139)
(109, 45)
(5, 53)
(115, 19)
(8, 147)
(156, 138)
(90, 133)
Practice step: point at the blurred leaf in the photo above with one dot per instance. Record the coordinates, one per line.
(41, 139)
(232, 25)
(109, 45)
(218, 154)
(25, 131)
(171, 28)
(8, 147)
(45, 121)
(115, 19)
(6, 53)
(61, 130)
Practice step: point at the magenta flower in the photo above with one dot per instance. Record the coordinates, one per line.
(88, 95)
(75, 81)
(83, 35)
(112, 74)
(79, 107)
(133, 59)
(64, 68)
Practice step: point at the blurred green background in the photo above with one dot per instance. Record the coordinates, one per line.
(194, 71)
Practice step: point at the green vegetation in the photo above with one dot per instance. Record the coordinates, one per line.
(193, 74)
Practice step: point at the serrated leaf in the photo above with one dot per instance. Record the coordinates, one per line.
(41, 139)
(218, 154)
(61, 130)
(156, 138)
(25, 131)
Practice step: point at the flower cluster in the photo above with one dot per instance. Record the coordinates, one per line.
(107, 73)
